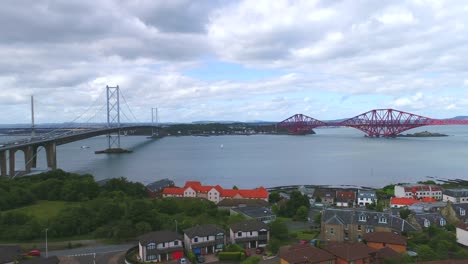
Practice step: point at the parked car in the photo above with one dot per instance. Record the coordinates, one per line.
(200, 259)
(247, 252)
(34, 253)
(259, 250)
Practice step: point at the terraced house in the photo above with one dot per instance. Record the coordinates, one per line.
(251, 233)
(160, 246)
(352, 224)
(204, 239)
(214, 193)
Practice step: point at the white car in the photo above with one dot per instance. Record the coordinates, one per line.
(183, 261)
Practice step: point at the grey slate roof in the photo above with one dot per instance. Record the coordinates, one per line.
(249, 225)
(456, 192)
(458, 208)
(159, 237)
(254, 211)
(158, 186)
(433, 218)
(351, 216)
(367, 194)
(203, 230)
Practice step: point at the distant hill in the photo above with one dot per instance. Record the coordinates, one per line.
(460, 117)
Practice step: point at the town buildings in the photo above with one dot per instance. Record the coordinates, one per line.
(160, 246)
(455, 195)
(204, 239)
(366, 197)
(378, 240)
(418, 191)
(214, 193)
(262, 214)
(155, 189)
(251, 233)
(304, 254)
(462, 233)
(351, 253)
(345, 198)
(352, 224)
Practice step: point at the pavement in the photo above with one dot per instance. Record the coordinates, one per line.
(101, 258)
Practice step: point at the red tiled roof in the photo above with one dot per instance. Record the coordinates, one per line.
(385, 237)
(403, 201)
(306, 254)
(349, 251)
(258, 193)
(424, 188)
(173, 190)
(428, 200)
(346, 194)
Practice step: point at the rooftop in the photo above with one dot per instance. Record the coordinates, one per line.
(306, 254)
(203, 230)
(254, 211)
(385, 237)
(349, 251)
(159, 237)
(457, 192)
(249, 225)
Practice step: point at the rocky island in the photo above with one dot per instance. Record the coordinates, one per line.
(423, 134)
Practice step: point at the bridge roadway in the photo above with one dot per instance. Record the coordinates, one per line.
(30, 146)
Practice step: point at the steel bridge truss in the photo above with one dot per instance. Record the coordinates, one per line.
(374, 123)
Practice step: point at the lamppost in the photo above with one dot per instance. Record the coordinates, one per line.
(46, 249)
(175, 225)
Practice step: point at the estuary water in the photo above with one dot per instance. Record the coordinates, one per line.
(333, 156)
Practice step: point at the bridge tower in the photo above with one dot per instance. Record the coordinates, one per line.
(113, 116)
(154, 121)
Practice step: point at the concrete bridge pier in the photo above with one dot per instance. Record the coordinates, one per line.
(51, 153)
(34, 157)
(28, 158)
(11, 156)
(3, 164)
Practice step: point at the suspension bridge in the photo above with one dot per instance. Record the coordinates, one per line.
(30, 146)
(374, 123)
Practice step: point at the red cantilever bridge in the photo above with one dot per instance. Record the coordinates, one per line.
(375, 123)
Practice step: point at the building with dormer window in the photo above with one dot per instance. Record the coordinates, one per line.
(204, 239)
(366, 197)
(418, 191)
(160, 246)
(455, 195)
(352, 224)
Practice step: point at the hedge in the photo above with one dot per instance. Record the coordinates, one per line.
(231, 256)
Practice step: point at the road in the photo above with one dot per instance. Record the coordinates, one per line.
(101, 249)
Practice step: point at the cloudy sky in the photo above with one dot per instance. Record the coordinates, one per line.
(233, 60)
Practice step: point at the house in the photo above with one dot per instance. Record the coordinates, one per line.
(427, 207)
(378, 240)
(204, 239)
(345, 198)
(160, 246)
(386, 255)
(327, 196)
(155, 189)
(418, 191)
(306, 254)
(462, 234)
(214, 193)
(455, 195)
(352, 224)
(399, 202)
(461, 212)
(251, 233)
(366, 197)
(9, 254)
(427, 219)
(352, 253)
(263, 214)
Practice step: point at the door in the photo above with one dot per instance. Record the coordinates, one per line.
(253, 244)
(197, 251)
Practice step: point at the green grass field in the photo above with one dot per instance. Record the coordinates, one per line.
(43, 210)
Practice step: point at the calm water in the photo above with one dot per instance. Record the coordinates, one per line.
(332, 156)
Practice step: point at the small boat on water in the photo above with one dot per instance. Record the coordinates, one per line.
(84, 147)
(221, 146)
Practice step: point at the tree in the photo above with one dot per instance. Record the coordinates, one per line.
(279, 230)
(302, 213)
(296, 200)
(318, 219)
(235, 187)
(274, 197)
(404, 213)
(274, 245)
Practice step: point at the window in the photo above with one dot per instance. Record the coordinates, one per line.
(239, 234)
(426, 223)
(359, 238)
(369, 230)
(176, 242)
(163, 244)
(330, 261)
(362, 218)
(442, 222)
(151, 246)
(151, 257)
(359, 227)
(207, 237)
(462, 211)
(332, 231)
(220, 236)
(250, 232)
(195, 239)
(382, 220)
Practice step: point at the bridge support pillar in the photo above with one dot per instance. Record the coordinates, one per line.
(51, 153)
(3, 164)
(28, 156)
(34, 157)
(11, 156)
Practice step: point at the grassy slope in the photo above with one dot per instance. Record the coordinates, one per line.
(43, 210)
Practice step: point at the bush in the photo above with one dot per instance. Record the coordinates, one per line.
(191, 256)
(252, 260)
(231, 256)
(234, 248)
(274, 245)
